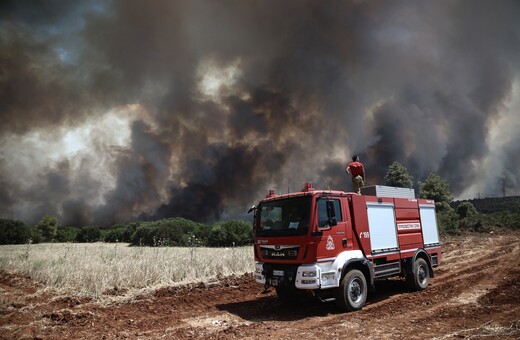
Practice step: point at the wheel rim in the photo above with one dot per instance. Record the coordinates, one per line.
(421, 275)
(355, 290)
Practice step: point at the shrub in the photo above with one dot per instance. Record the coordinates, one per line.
(129, 232)
(466, 209)
(448, 221)
(13, 232)
(172, 231)
(230, 233)
(36, 235)
(88, 234)
(114, 235)
(66, 234)
(143, 235)
(185, 233)
(506, 219)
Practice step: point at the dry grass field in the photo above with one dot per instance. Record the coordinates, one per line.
(94, 269)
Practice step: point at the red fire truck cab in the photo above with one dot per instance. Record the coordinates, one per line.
(336, 244)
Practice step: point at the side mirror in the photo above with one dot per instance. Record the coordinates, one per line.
(331, 213)
(255, 217)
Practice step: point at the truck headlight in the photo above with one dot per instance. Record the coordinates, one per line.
(309, 274)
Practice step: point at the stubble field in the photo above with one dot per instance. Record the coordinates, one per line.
(97, 270)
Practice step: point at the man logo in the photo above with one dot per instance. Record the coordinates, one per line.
(277, 247)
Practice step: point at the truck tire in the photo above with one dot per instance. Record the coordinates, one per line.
(420, 278)
(352, 291)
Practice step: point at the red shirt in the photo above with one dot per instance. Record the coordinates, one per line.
(356, 168)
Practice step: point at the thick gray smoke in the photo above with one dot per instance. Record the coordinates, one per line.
(113, 111)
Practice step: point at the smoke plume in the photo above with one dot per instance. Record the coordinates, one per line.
(119, 110)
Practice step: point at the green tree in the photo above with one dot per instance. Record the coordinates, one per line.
(437, 189)
(217, 236)
(48, 226)
(88, 234)
(13, 232)
(66, 234)
(143, 235)
(114, 234)
(398, 176)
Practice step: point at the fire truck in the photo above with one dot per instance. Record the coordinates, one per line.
(335, 244)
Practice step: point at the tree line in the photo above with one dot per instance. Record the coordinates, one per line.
(166, 232)
(452, 217)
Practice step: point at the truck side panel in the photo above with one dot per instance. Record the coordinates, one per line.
(408, 224)
(359, 218)
(430, 230)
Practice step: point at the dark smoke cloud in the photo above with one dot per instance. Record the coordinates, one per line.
(226, 180)
(423, 83)
(444, 109)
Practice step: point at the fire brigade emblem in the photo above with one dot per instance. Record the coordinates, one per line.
(330, 243)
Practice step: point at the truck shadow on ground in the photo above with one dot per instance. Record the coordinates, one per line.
(271, 308)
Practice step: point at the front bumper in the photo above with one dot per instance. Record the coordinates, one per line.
(302, 277)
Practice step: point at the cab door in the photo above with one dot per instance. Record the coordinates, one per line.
(333, 237)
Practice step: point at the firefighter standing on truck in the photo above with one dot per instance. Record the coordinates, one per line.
(357, 170)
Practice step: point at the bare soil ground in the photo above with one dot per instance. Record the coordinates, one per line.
(475, 294)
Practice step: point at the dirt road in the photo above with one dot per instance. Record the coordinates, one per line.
(475, 294)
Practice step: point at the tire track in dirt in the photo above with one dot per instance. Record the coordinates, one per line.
(462, 283)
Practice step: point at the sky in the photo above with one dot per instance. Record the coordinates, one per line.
(113, 111)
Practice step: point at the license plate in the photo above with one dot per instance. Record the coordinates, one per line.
(278, 272)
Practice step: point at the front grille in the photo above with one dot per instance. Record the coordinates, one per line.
(286, 279)
(282, 253)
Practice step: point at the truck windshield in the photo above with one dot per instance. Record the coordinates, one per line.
(285, 217)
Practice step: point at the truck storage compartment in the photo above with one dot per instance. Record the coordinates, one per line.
(381, 224)
(429, 225)
(408, 223)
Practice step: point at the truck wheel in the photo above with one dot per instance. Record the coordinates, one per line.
(420, 278)
(352, 291)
